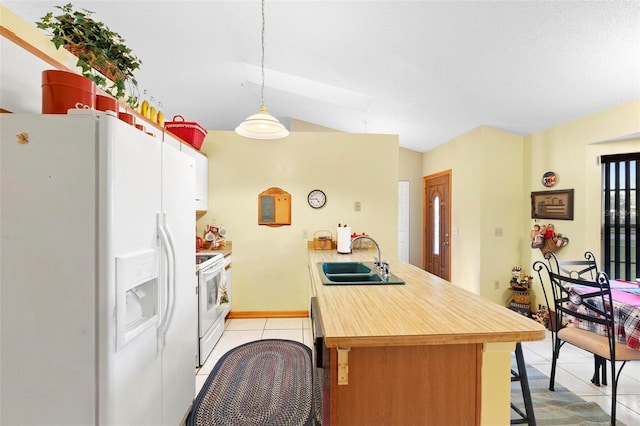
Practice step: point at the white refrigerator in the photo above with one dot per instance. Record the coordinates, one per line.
(98, 311)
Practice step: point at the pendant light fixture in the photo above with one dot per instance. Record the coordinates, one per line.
(262, 125)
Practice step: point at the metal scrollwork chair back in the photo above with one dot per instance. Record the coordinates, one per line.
(592, 304)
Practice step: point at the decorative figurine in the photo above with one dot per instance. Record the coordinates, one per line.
(542, 316)
(537, 238)
(545, 238)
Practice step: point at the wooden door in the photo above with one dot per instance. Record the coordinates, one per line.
(437, 224)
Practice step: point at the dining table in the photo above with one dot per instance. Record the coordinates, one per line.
(625, 296)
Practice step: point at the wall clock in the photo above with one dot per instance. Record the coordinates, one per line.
(316, 199)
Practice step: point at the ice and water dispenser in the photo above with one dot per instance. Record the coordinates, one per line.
(137, 301)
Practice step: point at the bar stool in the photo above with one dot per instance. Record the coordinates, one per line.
(528, 417)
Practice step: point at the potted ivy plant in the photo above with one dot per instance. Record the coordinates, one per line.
(97, 48)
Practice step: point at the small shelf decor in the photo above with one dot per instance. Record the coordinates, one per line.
(520, 285)
(97, 49)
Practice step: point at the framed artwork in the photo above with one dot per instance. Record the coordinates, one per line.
(552, 204)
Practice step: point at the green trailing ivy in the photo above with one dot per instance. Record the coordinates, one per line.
(102, 49)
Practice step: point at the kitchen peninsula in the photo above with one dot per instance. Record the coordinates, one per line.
(426, 352)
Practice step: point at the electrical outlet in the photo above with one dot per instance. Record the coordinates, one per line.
(357, 206)
(305, 234)
(498, 232)
(496, 285)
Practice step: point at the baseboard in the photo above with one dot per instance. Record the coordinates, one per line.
(267, 314)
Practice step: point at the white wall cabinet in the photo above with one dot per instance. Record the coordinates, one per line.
(170, 139)
(202, 177)
(202, 170)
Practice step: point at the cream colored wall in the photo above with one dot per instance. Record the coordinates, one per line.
(486, 169)
(270, 263)
(460, 156)
(572, 151)
(410, 169)
(296, 125)
(493, 174)
(502, 243)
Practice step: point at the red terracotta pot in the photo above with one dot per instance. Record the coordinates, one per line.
(63, 90)
(127, 118)
(106, 103)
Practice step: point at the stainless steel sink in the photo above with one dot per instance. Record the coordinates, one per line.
(354, 273)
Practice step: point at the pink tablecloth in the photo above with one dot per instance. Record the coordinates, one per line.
(626, 309)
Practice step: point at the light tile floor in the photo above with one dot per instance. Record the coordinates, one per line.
(575, 366)
(574, 371)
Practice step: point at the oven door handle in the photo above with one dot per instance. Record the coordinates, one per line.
(206, 273)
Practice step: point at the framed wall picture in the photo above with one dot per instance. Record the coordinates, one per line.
(552, 204)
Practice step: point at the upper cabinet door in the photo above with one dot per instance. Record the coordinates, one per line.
(170, 139)
(202, 177)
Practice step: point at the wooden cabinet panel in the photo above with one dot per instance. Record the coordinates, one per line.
(406, 385)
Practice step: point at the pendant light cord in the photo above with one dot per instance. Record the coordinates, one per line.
(262, 125)
(262, 87)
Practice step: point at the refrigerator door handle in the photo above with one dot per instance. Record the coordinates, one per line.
(173, 276)
(170, 283)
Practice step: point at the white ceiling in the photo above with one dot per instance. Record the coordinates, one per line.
(425, 70)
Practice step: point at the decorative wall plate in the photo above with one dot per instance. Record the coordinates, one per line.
(549, 179)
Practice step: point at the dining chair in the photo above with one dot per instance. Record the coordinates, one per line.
(586, 269)
(595, 299)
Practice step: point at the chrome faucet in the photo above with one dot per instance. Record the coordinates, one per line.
(382, 267)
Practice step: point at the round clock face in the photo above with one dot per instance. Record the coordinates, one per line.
(316, 199)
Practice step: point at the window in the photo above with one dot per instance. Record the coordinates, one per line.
(436, 225)
(620, 183)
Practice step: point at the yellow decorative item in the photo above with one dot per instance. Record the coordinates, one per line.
(152, 113)
(160, 118)
(144, 108)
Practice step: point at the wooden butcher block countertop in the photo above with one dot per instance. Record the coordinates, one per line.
(426, 310)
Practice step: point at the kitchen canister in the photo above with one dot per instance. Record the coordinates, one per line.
(127, 118)
(63, 90)
(106, 103)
